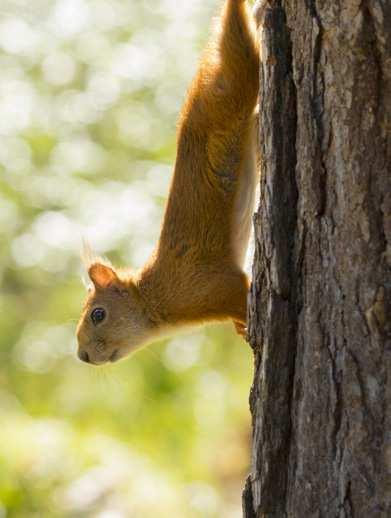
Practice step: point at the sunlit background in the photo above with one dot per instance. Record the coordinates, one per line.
(89, 96)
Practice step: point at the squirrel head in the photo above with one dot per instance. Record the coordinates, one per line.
(114, 321)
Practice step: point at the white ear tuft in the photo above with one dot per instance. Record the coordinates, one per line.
(87, 283)
(100, 270)
(88, 256)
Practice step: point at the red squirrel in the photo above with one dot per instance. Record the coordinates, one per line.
(195, 274)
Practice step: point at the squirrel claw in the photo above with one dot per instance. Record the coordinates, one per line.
(241, 329)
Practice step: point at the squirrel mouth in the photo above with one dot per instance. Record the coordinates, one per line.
(114, 356)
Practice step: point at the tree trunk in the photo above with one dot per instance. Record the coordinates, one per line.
(319, 316)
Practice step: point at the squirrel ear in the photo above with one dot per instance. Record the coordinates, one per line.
(102, 276)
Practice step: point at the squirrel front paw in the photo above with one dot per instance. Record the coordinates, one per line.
(241, 329)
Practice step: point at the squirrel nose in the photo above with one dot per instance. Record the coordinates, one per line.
(83, 355)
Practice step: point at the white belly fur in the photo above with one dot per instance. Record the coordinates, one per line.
(244, 202)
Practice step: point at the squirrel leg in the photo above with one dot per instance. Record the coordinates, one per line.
(228, 297)
(226, 86)
(237, 42)
(238, 53)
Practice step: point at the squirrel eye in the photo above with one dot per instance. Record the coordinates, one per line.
(98, 315)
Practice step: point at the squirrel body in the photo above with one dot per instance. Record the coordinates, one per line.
(196, 273)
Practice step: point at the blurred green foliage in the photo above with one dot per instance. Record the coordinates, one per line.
(89, 95)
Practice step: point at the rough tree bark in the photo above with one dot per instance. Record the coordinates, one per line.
(321, 293)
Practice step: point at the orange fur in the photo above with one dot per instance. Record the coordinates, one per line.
(195, 274)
